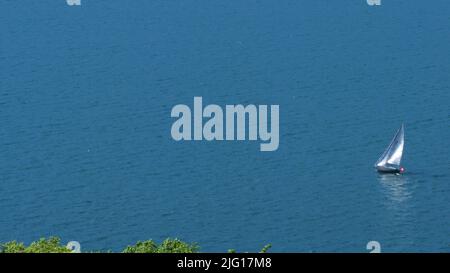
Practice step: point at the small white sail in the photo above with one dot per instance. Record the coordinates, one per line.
(390, 159)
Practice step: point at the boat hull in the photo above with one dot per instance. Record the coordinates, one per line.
(385, 169)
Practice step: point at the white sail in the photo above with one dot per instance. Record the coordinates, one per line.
(392, 156)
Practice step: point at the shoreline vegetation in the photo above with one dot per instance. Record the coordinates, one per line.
(54, 245)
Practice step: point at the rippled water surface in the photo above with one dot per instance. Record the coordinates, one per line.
(85, 145)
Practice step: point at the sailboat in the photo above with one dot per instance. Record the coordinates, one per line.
(390, 160)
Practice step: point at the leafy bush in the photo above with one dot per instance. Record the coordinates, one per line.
(53, 245)
(263, 250)
(266, 248)
(12, 247)
(168, 246)
(177, 246)
(50, 245)
(142, 247)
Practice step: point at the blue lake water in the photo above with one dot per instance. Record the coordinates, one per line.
(85, 145)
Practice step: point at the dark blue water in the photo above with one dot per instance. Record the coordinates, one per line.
(85, 145)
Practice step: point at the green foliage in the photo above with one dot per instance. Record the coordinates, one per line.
(263, 250)
(12, 247)
(142, 247)
(50, 245)
(53, 245)
(168, 246)
(177, 246)
(266, 248)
